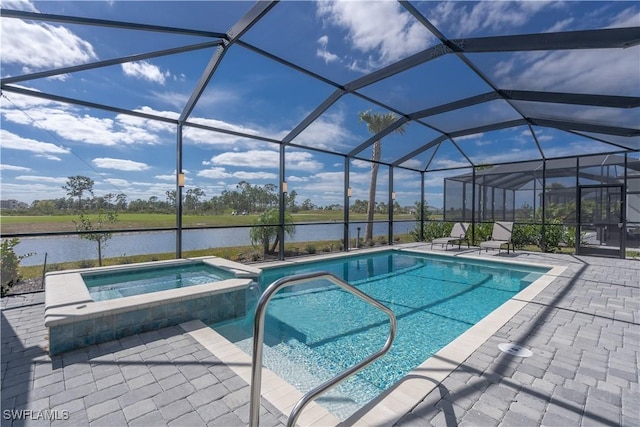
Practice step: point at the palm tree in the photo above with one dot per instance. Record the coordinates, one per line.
(376, 122)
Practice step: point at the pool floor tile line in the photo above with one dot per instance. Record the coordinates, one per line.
(583, 330)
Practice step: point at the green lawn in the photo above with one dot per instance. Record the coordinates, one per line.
(35, 224)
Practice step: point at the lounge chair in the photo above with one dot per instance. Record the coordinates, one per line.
(458, 234)
(501, 236)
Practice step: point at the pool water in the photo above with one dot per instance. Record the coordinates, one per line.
(118, 284)
(316, 330)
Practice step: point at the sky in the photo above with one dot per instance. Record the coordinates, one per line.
(44, 142)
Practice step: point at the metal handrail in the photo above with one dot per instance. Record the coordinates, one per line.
(258, 339)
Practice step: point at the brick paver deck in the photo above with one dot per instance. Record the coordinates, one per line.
(583, 330)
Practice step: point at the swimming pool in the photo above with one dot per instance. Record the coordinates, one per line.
(314, 331)
(109, 285)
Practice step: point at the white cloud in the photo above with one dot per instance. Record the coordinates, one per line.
(36, 46)
(214, 173)
(597, 71)
(293, 178)
(146, 71)
(14, 168)
(16, 142)
(327, 132)
(252, 159)
(254, 175)
(360, 164)
(465, 19)
(221, 173)
(120, 183)
(166, 177)
(76, 124)
(629, 17)
(18, 5)
(561, 25)
(593, 71)
(297, 160)
(41, 179)
(119, 164)
(382, 30)
(324, 53)
(49, 157)
(414, 163)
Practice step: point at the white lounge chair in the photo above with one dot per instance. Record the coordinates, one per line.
(458, 234)
(501, 236)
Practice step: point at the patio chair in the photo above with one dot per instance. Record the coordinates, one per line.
(458, 234)
(501, 236)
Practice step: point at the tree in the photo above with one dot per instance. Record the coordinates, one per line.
(85, 223)
(265, 227)
(77, 185)
(290, 200)
(192, 199)
(376, 122)
(307, 205)
(171, 198)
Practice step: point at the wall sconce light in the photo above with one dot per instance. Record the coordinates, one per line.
(393, 195)
(180, 180)
(349, 192)
(284, 186)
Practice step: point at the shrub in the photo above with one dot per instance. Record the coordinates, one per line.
(555, 233)
(431, 230)
(311, 249)
(526, 234)
(482, 232)
(10, 274)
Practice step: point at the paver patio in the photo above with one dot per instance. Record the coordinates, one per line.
(583, 330)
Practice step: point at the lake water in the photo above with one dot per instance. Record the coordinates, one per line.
(73, 248)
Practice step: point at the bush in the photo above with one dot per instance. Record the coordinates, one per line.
(431, 230)
(526, 234)
(311, 249)
(482, 232)
(10, 274)
(555, 233)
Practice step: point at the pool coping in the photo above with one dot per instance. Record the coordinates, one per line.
(391, 405)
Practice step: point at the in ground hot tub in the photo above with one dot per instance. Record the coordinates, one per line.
(84, 307)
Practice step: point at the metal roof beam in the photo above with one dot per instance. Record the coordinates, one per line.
(588, 39)
(419, 150)
(398, 67)
(229, 132)
(451, 106)
(313, 116)
(258, 10)
(574, 98)
(73, 101)
(488, 128)
(21, 14)
(109, 62)
(585, 127)
(377, 137)
(618, 144)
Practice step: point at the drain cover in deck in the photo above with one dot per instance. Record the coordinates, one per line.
(515, 350)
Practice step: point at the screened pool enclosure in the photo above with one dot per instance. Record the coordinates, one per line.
(357, 122)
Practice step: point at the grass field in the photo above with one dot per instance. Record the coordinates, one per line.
(52, 223)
